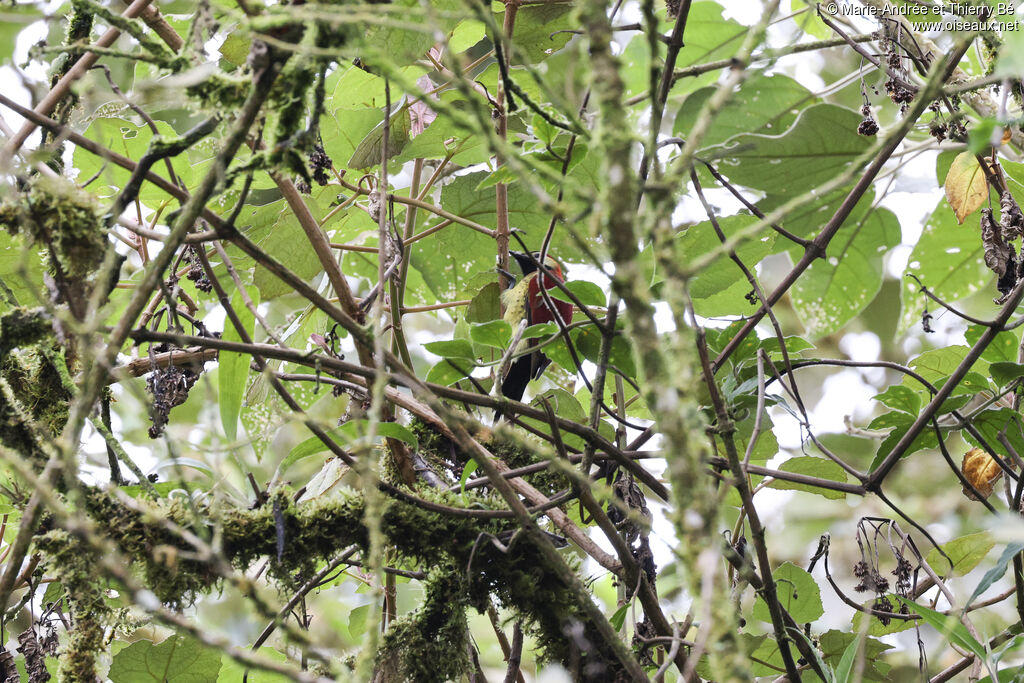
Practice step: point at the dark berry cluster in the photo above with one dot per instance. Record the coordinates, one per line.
(169, 388)
(319, 164)
(898, 93)
(870, 579)
(868, 126)
(195, 271)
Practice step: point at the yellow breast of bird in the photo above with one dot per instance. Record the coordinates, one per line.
(515, 300)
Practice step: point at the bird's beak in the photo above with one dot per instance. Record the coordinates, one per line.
(510, 276)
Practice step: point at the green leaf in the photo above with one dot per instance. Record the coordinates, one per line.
(287, 242)
(834, 645)
(900, 422)
(132, 141)
(902, 398)
(834, 290)
(798, 593)
(949, 627)
(540, 330)
(777, 99)
(1005, 372)
(619, 618)
(1010, 63)
(721, 288)
(452, 348)
(537, 31)
(370, 150)
(966, 553)
(938, 364)
(875, 626)
(1011, 675)
(565, 405)
(588, 293)
(449, 371)
(496, 333)
(236, 47)
(233, 368)
(179, 659)
(345, 436)
(845, 667)
(971, 383)
(357, 621)
(709, 37)
(484, 306)
(819, 145)
(992, 423)
(1003, 347)
(821, 468)
(996, 572)
(467, 472)
(949, 260)
(468, 33)
(452, 260)
(21, 270)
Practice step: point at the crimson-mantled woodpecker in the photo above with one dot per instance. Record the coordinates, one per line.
(525, 301)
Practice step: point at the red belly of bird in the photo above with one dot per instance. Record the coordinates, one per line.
(539, 312)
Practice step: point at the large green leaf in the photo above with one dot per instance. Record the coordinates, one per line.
(24, 276)
(721, 287)
(965, 552)
(818, 146)
(1002, 349)
(798, 593)
(949, 626)
(536, 30)
(287, 242)
(764, 104)
(453, 257)
(821, 468)
(949, 260)
(938, 364)
(132, 141)
(709, 37)
(835, 289)
(179, 659)
(835, 646)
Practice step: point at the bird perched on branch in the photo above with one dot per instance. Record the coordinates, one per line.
(525, 301)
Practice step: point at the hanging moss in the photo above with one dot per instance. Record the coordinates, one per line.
(429, 645)
(74, 564)
(316, 530)
(56, 213)
(37, 394)
(21, 327)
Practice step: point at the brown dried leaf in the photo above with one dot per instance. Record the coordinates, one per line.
(966, 186)
(997, 253)
(982, 471)
(35, 660)
(1011, 218)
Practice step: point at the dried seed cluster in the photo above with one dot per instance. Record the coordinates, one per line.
(1000, 255)
(169, 388)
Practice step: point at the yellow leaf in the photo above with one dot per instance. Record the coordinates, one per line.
(966, 186)
(982, 471)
